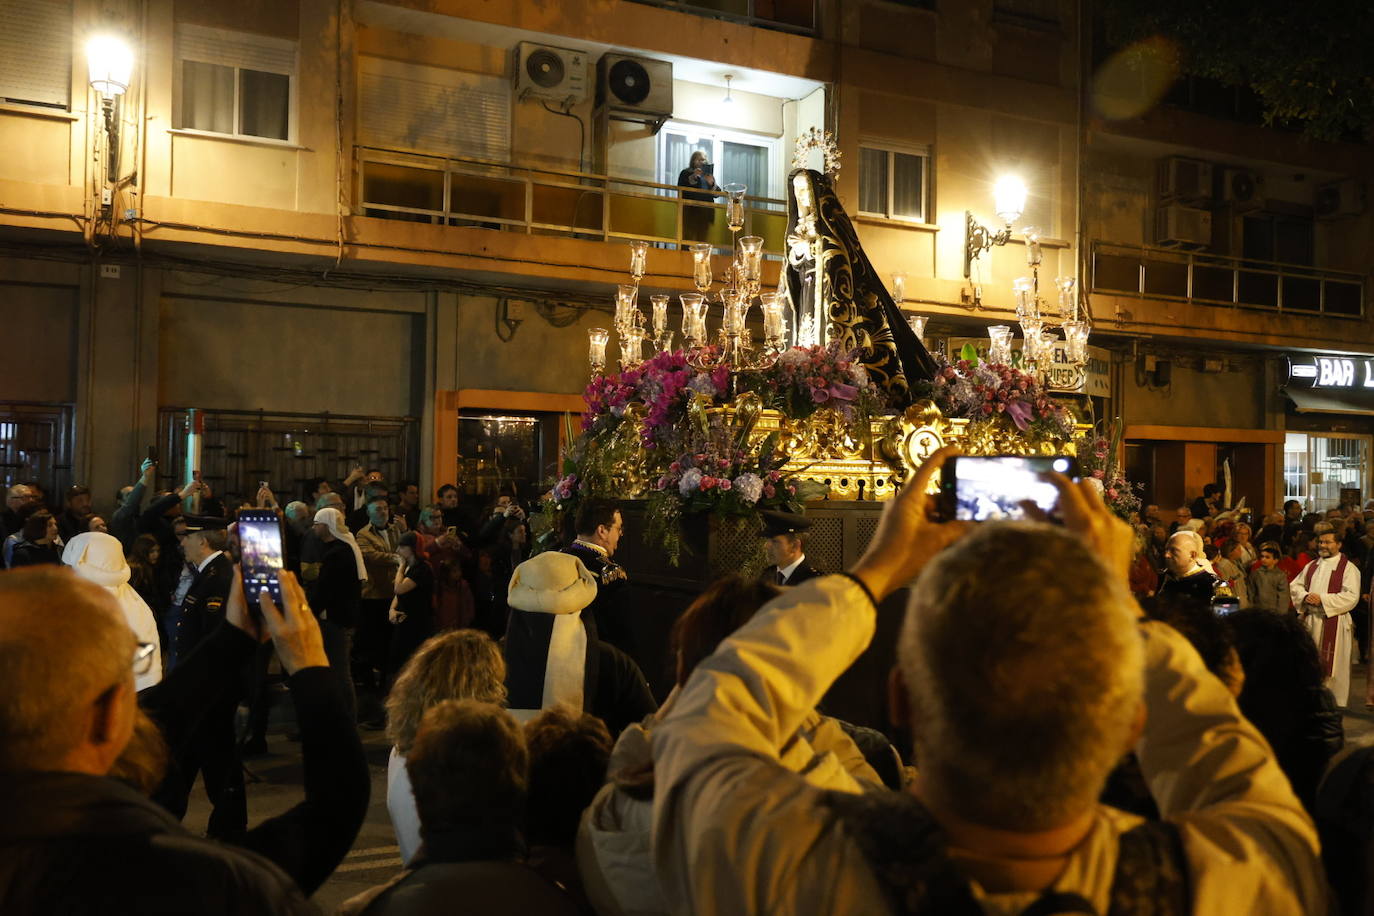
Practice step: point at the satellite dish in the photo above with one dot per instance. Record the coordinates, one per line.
(629, 82)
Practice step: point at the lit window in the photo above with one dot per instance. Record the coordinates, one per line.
(235, 83)
(893, 183)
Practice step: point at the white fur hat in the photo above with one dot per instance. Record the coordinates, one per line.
(551, 583)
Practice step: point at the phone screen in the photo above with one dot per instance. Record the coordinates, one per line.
(260, 551)
(980, 489)
(1221, 605)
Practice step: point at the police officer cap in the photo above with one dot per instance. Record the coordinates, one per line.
(776, 523)
(204, 523)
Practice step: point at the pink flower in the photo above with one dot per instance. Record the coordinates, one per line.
(708, 482)
(769, 490)
(1098, 474)
(724, 483)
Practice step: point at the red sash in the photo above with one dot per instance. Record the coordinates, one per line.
(1333, 586)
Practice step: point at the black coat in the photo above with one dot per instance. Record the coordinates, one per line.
(73, 843)
(611, 609)
(334, 588)
(799, 575)
(27, 553)
(203, 608)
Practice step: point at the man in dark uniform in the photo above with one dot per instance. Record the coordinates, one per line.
(211, 750)
(786, 548)
(599, 527)
(1185, 574)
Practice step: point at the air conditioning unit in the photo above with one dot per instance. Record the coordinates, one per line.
(1340, 198)
(1243, 190)
(635, 89)
(1184, 180)
(542, 72)
(1177, 226)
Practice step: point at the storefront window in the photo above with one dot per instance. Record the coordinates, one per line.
(1324, 471)
(501, 454)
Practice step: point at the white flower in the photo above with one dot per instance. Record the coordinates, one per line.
(794, 357)
(860, 375)
(749, 487)
(691, 480)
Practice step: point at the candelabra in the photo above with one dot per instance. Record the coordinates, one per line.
(1039, 327)
(740, 289)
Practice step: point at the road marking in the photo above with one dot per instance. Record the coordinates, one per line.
(372, 851)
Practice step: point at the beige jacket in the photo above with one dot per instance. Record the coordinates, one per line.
(613, 849)
(736, 832)
(379, 556)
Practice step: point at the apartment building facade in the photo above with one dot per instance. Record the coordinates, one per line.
(378, 232)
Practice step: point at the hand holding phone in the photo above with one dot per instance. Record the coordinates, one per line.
(989, 488)
(260, 549)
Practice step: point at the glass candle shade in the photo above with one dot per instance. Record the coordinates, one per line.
(999, 346)
(701, 266)
(734, 204)
(751, 257)
(1068, 297)
(632, 348)
(772, 319)
(1030, 346)
(1076, 341)
(596, 348)
(660, 315)
(693, 319)
(1024, 288)
(638, 254)
(918, 324)
(898, 287)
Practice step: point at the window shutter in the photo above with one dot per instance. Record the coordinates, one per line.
(431, 110)
(235, 49)
(36, 51)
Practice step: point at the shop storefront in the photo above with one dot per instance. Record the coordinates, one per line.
(1330, 430)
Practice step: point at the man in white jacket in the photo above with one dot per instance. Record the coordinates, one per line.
(1023, 686)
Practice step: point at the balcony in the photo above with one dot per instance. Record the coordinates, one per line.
(451, 191)
(1227, 282)
(799, 16)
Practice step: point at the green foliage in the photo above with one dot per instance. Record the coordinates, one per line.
(1311, 64)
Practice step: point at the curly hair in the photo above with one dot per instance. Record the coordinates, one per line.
(456, 665)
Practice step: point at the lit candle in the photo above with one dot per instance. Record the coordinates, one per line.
(735, 206)
(1025, 297)
(660, 313)
(596, 348)
(701, 266)
(918, 324)
(631, 348)
(638, 252)
(693, 318)
(1068, 300)
(772, 319)
(899, 286)
(1076, 341)
(1030, 346)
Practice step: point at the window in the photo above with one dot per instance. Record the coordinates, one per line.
(1322, 471)
(737, 157)
(36, 52)
(235, 83)
(433, 110)
(893, 183)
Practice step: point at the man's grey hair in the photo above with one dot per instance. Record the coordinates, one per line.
(1024, 665)
(330, 501)
(1193, 538)
(297, 509)
(17, 491)
(1323, 528)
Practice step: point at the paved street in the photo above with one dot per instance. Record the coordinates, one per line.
(375, 857)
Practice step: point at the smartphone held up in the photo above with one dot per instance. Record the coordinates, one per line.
(999, 487)
(261, 556)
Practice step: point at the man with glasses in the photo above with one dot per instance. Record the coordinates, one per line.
(76, 836)
(16, 498)
(1324, 593)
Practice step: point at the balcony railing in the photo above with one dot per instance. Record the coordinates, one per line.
(1209, 279)
(450, 191)
(785, 15)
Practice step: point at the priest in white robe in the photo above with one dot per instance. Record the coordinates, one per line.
(1325, 592)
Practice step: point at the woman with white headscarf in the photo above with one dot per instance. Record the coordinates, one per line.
(98, 557)
(336, 591)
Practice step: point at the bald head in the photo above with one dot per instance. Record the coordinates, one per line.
(1183, 552)
(66, 673)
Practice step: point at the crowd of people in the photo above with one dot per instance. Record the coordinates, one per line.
(1057, 744)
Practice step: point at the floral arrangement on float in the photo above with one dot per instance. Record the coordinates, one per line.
(1099, 461)
(998, 400)
(684, 438)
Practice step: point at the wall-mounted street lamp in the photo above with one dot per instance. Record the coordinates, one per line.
(1009, 199)
(110, 62)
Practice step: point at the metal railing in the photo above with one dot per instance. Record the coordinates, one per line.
(1210, 279)
(456, 191)
(800, 16)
